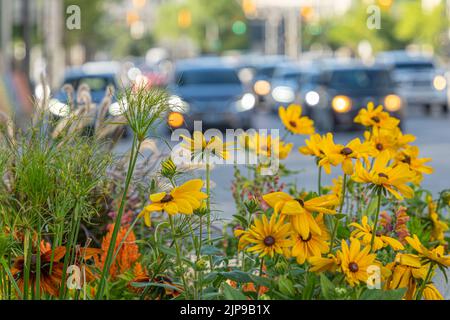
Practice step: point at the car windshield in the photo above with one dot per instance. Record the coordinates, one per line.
(94, 83)
(414, 65)
(207, 77)
(360, 79)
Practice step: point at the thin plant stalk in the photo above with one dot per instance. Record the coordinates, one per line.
(208, 201)
(375, 225)
(425, 281)
(341, 206)
(108, 261)
(261, 266)
(319, 181)
(178, 252)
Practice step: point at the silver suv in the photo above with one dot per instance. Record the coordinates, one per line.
(418, 80)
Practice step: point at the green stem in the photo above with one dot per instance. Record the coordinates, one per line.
(11, 277)
(177, 249)
(319, 181)
(260, 274)
(424, 282)
(341, 206)
(108, 261)
(208, 201)
(374, 231)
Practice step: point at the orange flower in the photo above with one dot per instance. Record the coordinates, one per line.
(127, 255)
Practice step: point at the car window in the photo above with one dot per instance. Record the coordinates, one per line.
(94, 83)
(414, 65)
(208, 77)
(266, 72)
(360, 79)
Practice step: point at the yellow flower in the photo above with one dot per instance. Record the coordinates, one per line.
(312, 147)
(336, 188)
(320, 264)
(376, 117)
(391, 178)
(183, 199)
(293, 120)
(266, 237)
(381, 140)
(300, 211)
(439, 227)
(200, 146)
(335, 154)
(405, 271)
(410, 156)
(312, 246)
(364, 233)
(430, 292)
(435, 255)
(266, 145)
(354, 261)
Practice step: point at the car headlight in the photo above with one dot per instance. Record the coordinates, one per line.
(175, 119)
(392, 103)
(58, 108)
(283, 94)
(118, 108)
(177, 104)
(439, 82)
(247, 102)
(341, 104)
(312, 98)
(262, 87)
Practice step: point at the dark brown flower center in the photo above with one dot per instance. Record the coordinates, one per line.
(166, 198)
(407, 159)
(307, 239)
(383, 175)
(376, 119)
(301, 202)
(353, 266)
(346, 151)
(379, 146)
(269, 241)
(293, 124)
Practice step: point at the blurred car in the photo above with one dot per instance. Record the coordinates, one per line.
(209, 91)
(342, 90)
(263, 76)
(419, 82)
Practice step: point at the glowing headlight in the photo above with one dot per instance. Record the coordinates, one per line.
(283, 94)
(58, 108)
(439, 83)
(178, 105)
(175, 119)
(312, 98)
(392, 103)
(247, 102)
(262, 87)
(117, 109)
(341, 104)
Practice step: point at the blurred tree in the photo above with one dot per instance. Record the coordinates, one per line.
(208, 23)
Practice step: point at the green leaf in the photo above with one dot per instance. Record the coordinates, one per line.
(210, 251)
(339, 216)
(377, 294)
(237, 275)
(241, 220)
(327, 287)
(232, 293)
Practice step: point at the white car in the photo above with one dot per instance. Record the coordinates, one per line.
(418, 81)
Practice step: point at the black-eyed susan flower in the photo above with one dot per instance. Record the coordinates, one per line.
(183, 199)
(355, 261)
(266, 237)
(435, 255)
(375, 117)
(321, 264)
(266, 145)
(439, 227)
(300, 211)
(364, 232)
(410, 156)
(391, 178)
(313, 144)
(337, 154)
(293, 120)
(198, 145)
(430, 292)
(406, 270)
(312, 246)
